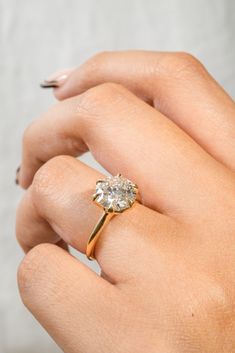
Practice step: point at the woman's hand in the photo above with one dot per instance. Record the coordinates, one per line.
(168, 265)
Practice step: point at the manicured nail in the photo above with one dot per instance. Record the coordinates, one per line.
(57, 79)
(17, 176)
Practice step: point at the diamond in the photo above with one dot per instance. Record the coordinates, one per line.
(115, 193)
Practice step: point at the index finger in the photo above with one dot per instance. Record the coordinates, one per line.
(176, 84)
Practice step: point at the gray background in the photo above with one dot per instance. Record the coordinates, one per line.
(39, 37)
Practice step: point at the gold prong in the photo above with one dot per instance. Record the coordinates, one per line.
(121, 211)
(136, 192)
(110, 209)
(130, 203)
(94, 197)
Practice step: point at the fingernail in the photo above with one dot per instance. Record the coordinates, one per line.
(17, 176)
(57, 79)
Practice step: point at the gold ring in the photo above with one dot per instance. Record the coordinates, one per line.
(115, 194)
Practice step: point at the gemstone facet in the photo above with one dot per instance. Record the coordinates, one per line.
(115, 193)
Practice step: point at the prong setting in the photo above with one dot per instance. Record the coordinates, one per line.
(94, 196)
(115, 194)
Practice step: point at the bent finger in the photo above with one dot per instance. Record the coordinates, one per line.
(127, 136)
(177, 84)
(68, 299)
(59, 205)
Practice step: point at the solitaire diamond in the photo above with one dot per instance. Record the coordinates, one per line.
(115, 193)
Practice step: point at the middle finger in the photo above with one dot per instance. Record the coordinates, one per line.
(128, 136)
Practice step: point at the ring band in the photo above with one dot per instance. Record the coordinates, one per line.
(115, 194)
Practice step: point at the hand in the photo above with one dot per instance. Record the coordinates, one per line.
(167, 281)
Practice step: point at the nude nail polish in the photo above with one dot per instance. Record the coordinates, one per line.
(17, 176)
(57, 79)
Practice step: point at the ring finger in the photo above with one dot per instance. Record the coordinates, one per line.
(58, 205)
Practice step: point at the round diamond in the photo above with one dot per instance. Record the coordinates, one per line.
(115, 193)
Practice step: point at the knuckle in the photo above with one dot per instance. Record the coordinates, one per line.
(45, 177)
(96, 60)
(32, 268)
(100, 56)
(108, 89)
(101, 97)
(187, 59)
(183, 63)
(91, 68)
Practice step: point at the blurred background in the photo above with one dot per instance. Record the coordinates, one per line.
(40, 37)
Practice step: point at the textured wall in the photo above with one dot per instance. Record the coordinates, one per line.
(38, 37)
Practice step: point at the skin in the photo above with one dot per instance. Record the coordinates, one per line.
(167, 281)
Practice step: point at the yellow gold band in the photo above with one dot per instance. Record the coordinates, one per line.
(104, 219)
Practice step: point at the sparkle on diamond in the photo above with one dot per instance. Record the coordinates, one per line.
(115, 193)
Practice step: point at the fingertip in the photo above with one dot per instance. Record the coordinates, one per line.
(66, 90)
(59, 93)
(17, 176)
(56, 81)
(19, 179)
(23, 179)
